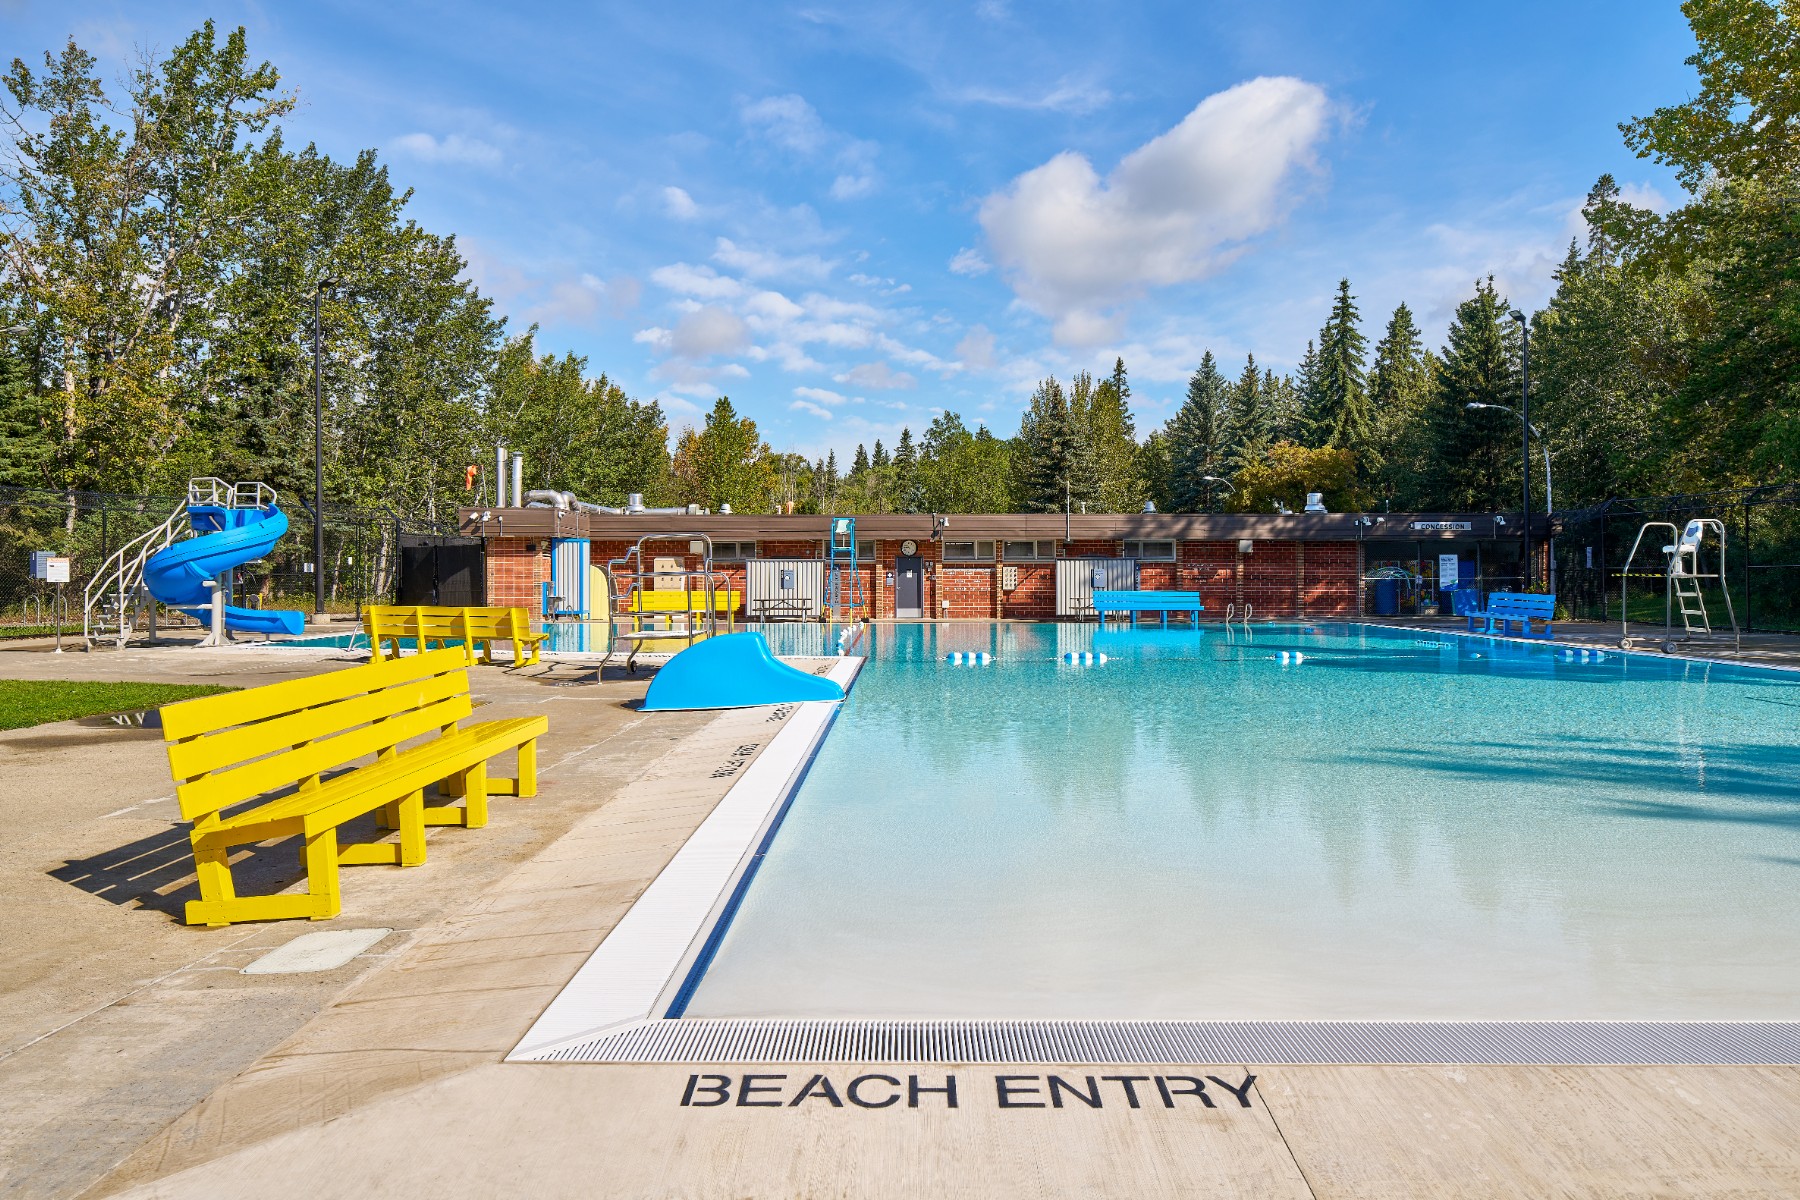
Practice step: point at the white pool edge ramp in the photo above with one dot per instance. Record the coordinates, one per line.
(653, 943)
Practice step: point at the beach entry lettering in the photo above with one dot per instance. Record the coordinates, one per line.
(1051, 1091)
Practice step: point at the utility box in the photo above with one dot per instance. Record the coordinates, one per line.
(1009, 579)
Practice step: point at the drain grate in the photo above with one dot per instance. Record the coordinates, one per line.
(1573, 1043)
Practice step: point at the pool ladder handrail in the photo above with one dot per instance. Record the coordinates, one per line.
(1243, 618)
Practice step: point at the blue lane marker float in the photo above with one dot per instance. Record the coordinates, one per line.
(968, 658)
(1291, 658)
(1084, 658)
(1584, 655)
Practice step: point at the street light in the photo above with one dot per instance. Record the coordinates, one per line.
(1525, 437)
(1549, 486)
(1216, 479)
(324, 286)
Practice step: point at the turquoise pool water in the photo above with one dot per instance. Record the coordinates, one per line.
(1400, 826)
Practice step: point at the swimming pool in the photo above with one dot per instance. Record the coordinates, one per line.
(1396, 826)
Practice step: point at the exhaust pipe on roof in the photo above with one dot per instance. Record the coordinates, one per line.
(499, 476)
(518, 480)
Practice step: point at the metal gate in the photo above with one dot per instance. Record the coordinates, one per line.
(1076, 579)
(784, 589)
(442, 570)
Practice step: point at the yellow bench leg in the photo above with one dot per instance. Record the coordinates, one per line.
(475, 795)
(213, 866)
(412, 829)
(528, 768)
(322, 874)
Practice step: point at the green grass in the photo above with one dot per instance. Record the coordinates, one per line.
(25, 702)
(8, 632)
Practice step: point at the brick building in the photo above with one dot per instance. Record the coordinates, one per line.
(1005, 566)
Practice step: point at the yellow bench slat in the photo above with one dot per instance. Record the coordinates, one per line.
(209, 713)
(214, 751)
(221, 789)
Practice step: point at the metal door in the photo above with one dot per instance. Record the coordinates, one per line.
(1076, 580)
(909, 587)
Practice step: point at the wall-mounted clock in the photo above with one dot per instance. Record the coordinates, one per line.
(909, 547)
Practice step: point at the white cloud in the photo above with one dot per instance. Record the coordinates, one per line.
(708, 331)
(1173, 211)
(1645, 195)
(976, 350)
(678, 204)
(876, 375)
(764, 264)
(852, 186)
(811, 409)
(969, 262)
(453, 148)
(1068, 96)
(788, 121)
(701, 281)
(821, 395)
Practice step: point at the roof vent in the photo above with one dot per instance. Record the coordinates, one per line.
(1149, 506)
(1315, 502)
(634, 503)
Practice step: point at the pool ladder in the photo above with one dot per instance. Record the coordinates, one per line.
(1243, 617)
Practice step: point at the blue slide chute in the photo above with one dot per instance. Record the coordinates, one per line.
(735, 670)
(224, 539)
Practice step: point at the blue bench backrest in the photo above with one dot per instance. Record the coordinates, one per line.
(1146, 601)
(1521, 604)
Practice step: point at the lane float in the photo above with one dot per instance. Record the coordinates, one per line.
(1084, 658)
(968, 658)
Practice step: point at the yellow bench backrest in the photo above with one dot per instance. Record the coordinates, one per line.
(438, 623)
(227, 749)
(723, 601)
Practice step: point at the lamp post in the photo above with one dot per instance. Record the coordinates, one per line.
(1216, 479)
(1525, 438)
(1549, 485)
(318, 505)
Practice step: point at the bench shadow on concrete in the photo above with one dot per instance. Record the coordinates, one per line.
(157, 872)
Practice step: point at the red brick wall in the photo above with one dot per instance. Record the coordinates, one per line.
(1271, 579)
(1035, 597)
(1329, 576)
(515, 573)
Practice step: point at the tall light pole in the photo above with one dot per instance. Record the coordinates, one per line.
(1525, 437)
(1549, 485)
(1216, 479)
(324, 286)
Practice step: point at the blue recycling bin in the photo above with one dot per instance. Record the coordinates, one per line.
(1387, 597)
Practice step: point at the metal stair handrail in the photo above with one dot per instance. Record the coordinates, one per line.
(119, 577)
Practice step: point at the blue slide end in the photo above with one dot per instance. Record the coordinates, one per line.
(227, 539)
(735, 670)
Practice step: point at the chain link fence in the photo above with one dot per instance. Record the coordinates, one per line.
(1762, 559)
(361, 563)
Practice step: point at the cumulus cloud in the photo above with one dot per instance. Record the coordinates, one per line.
(821, 395)
(702, 281)
(976, 350)
(969, 262)
(454, 148)
(792, 124)
(811, 409)
(765, 264)
(1075, 245)
(678, 204)
(876, 375)
(707, 331)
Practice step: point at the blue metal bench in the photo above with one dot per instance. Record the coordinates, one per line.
(1506, 609)
(1133, 603)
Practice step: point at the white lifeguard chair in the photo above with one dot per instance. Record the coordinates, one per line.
(1682, 593)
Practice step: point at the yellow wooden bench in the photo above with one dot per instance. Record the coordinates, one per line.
(305, 756)
(387, 626)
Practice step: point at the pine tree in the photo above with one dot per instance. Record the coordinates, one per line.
(1249, 425)
(1306, 399)
(860, 465)
(1195, 440)
(1113, 436)
(1473, 461)
(1341, 416)
(1400, 393)
(880, 457)
(1052, 462)
(906, 474)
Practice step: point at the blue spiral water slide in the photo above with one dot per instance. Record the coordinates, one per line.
(224, 539)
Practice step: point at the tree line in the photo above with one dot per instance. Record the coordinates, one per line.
(160, 256)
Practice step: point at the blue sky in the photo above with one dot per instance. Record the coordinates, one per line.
(851, 217)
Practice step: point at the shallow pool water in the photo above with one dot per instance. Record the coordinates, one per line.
(1397, 826)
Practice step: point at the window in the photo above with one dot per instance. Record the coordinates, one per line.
(969, 551)
(1030, 550)
(1150, 551)
(732, 551)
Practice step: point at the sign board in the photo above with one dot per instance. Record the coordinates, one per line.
(1446, 572)
(1444, 526)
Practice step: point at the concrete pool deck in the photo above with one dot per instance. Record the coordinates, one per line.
(143, 1063)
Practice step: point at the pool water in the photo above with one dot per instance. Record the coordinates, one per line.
(1400, 826)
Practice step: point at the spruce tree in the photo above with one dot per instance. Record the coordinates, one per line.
(1113, 436)
(1052, 461)
(1340, 415)
(1195, 440)
(1400, 393)
(906, 473)
(1249, 424)
(1473, 461)
(880, 457)
(860, 464)
(1306, 400)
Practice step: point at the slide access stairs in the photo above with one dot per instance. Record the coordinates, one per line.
(116, 602)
